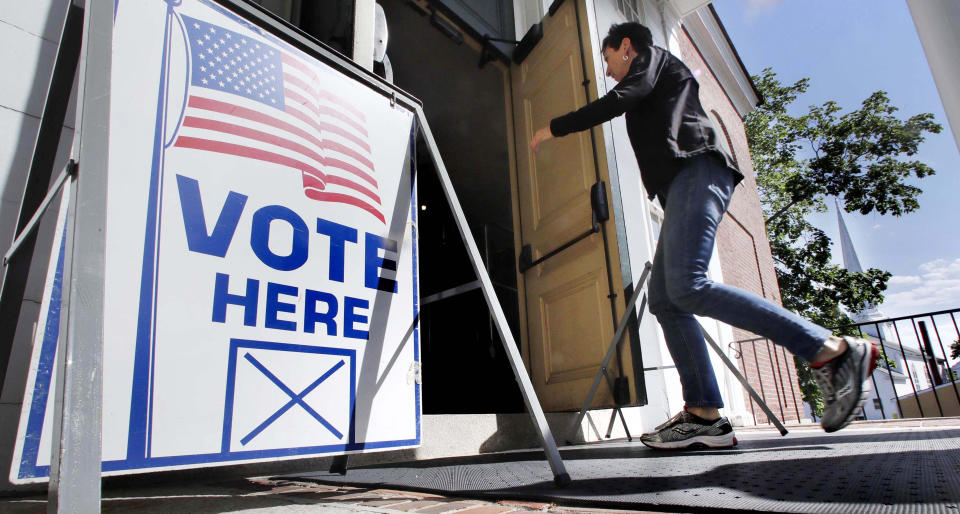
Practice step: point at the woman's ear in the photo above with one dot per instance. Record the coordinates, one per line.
(624, 44)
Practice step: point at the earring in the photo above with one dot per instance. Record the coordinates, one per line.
(625, 58)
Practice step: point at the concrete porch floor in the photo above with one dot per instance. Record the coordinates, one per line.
(894, 466)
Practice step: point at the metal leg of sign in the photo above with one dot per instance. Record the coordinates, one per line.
(17, 261)
(339, 465)
(625, 427)
(56, 449)
(602, 372)
(613, 420)
(623, 421)
(76, 485)
(560, 475)
(746, 385)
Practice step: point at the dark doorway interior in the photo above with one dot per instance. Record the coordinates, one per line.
(464, 369)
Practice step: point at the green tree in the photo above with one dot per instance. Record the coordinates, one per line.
(955, 349)
(864, 158)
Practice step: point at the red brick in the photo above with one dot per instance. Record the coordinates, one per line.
(408, 494)
(414, 505)
(489, 509)
(452, 506)
(526, 505)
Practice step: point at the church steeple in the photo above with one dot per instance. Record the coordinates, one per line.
(850, 260)
(852, 263)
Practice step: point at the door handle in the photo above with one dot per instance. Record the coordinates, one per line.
(600, 212)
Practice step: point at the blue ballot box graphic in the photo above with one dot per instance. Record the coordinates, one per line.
(274, 390)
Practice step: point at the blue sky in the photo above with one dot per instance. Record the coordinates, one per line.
(849, 49)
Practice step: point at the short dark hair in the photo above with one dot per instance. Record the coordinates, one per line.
(639, 35)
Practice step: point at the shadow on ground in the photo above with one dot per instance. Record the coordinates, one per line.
(856, 470)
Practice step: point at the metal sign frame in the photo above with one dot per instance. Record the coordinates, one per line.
(76, 454)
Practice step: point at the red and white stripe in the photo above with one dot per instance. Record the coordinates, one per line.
(317, 133)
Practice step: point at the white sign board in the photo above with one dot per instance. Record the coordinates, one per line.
(261, 267)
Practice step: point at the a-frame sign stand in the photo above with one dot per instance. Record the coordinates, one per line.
(76, 454)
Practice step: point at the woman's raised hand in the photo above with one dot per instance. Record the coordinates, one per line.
(540, 136)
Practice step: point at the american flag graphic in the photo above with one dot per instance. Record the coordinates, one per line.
(253, 100)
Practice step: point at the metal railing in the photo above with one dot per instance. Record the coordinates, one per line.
(916, 376)
(779, 389)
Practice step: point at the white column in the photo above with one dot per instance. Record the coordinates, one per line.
(937, 23)
(364, 26)
(685, 7)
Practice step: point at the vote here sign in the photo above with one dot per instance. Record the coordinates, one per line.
(261, 267)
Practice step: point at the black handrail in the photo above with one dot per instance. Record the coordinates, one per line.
(926, 350)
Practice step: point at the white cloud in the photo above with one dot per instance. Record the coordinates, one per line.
(763, 4)
(904, 280)
(755, 7)
(877, 226)
(936, 287)
(941, 267)
(752, 9)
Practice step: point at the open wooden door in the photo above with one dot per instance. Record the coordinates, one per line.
(569, 315)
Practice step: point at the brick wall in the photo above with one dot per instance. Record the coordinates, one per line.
(745, 256)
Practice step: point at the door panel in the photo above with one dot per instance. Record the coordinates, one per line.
(562, 310)
(568, 311)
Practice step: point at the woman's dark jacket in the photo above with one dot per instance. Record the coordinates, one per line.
(665, 120)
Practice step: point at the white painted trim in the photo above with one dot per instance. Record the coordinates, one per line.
(936, 22)
(721, 57)
(685, 7)
(670, 9)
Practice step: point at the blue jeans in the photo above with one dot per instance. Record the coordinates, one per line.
(679, 287)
